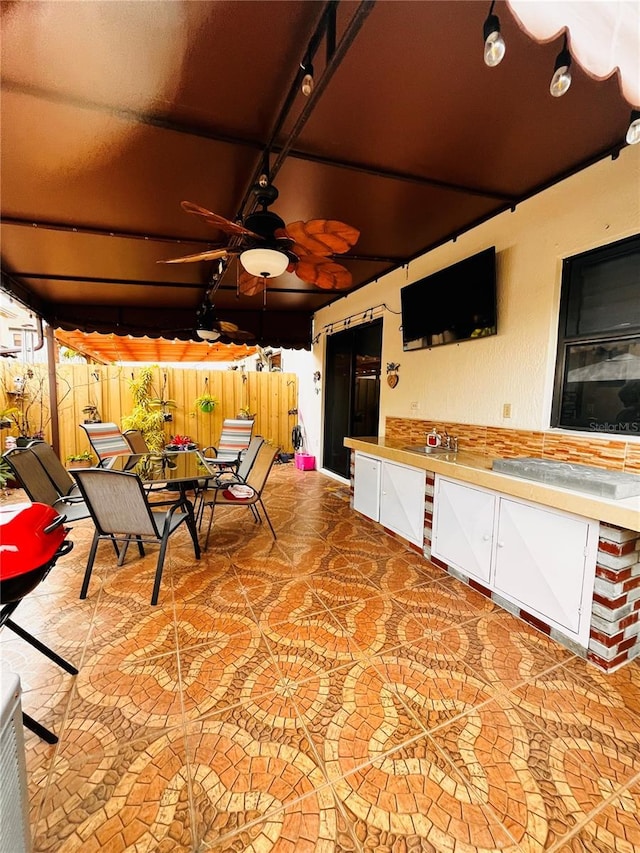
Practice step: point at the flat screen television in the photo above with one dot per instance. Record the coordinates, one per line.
(455, 304)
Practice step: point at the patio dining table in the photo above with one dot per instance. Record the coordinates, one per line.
(182, 468)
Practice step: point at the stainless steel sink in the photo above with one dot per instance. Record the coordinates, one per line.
(427, 451)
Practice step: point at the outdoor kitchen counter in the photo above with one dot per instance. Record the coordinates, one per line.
(475, 469)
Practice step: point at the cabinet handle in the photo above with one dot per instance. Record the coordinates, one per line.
(486, 538)
(500, 544)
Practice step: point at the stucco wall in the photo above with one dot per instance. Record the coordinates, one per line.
(470, 381)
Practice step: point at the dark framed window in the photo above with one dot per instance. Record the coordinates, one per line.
(597, 386)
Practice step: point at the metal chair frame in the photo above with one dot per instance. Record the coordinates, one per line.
(35, 479)
(62, 479)
(121, 512)
(256, 480)
(223, 479)
(234, 439)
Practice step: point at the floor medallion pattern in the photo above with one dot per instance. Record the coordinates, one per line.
(327, 692)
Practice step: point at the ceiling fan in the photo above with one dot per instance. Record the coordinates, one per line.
(266, 247)
(210, 328)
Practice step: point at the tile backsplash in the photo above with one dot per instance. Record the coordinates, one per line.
(612, 453)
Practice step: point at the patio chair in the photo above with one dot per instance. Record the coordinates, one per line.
(106, 441)
(138, 445)
(39, 485)
(224, 479)
(256, 481)
(62, 479)
(121, 512)
(136, 441)
(234, 438)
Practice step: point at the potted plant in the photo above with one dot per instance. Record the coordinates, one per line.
(7, 417)
(146, 416)
(80, 460)
(91, 415)
(206, 403)
(245, 414)
(181, 442)
(163, 403)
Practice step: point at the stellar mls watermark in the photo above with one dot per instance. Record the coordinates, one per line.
(605, 426)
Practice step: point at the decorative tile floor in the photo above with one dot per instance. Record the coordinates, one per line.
(330, 691)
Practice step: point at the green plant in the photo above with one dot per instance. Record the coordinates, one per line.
(245, 412)
(206, 402)
(85, 456)
(164, 404)
(146, 417)
(27, 415)
(7, 417)
(6, 473)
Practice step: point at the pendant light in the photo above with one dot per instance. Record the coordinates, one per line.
(633, 132)
(308, 83)
(494, 46)
(561, 79)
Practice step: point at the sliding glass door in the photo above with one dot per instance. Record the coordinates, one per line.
(352, 391)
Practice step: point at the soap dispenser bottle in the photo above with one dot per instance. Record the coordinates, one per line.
(434, 439)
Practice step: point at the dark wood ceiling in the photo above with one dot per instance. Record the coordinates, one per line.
(115, 112)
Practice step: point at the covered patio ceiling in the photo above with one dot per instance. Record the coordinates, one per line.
(114, 113)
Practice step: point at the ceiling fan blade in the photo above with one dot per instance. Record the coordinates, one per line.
(227, 328)
(211, 255)
(238, 335)
(321, 236)
(218, 221)
(323, 272)
(250, 285)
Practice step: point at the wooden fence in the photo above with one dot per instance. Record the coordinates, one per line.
(270, 396)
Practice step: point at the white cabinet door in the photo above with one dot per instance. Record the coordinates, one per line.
(366, 486)
(402, 501)
(541, 559)
(463, 527)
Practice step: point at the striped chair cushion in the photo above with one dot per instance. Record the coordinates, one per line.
(107, 440)
(235, 437)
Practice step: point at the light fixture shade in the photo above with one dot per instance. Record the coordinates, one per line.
(494, 44)
(264, 263)
(633, 132)
(208, 334)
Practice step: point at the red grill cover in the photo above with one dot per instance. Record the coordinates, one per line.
(24, 544)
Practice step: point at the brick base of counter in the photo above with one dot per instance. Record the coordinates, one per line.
(614, 638)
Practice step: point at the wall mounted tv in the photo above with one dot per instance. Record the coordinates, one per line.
(456, 304)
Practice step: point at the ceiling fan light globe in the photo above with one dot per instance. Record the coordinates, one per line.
(264, 263)
(210, 335)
